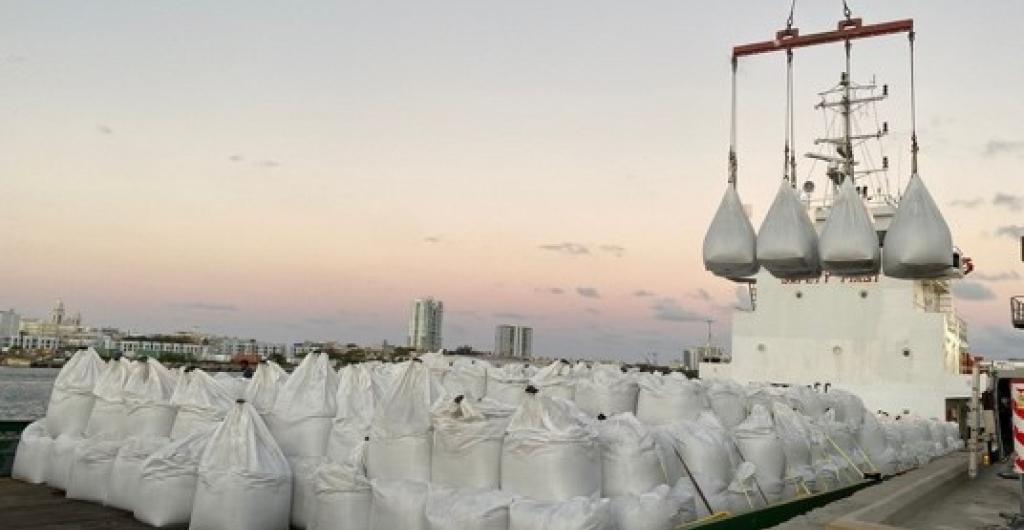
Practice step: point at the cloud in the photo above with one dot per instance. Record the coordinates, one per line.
(567, 247)
(1013, 202)
(320, 321)
(642, 293)
(104, 129)
(974, 291)
(998, 342)
(550, 290)
(236, 158)
(701, 294)
(510, 316)
(1013, 231)
(1006, 276)
(669, 310)
(588, 292)
(615, 250)
(593, 311)
(1001, 147)
(269, 164)
(968, 203)
(207, 306)
(432, 239)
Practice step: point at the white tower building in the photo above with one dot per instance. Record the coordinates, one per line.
(425, 324)
(513, 341)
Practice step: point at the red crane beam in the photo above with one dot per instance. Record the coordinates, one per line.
(850, 29)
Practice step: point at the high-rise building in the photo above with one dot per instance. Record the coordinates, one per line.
(425, 324)
(513, 341)
(10, 323)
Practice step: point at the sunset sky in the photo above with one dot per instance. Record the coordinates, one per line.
(290, 170)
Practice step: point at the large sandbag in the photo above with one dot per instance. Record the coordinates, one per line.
(849, 408)
(355, 411)
(728, 401)
(244, 480)
(399, 504)
(730, 244)
(455, 509)
(792, 430)
(807, 400)
(787, 244)
(871, 438)
(202, 402)
(549, 453)
(630, 462)
(126, 473)
(467, 378)
(147, 396)
(109, 413)
(607, 390)
(506, 383)
(304, 411)
(669, 399)
(705, 447)
(58, 469)
(759, 445)
(662, 508)
(167, 480)
(261, 390)
(848, 243)
(343, 498)
(467, 444)
(35, 448)
(303, 488)
(72, 399)
(580, 513)
(90, 472)
(400, 437)
(918, 243)
(556, 380)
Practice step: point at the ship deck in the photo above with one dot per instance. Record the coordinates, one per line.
(29, 506)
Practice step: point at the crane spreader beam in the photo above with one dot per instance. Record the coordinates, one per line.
(849, 29)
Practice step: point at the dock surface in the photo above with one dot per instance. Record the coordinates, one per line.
(30, 506)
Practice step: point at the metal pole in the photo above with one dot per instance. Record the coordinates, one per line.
(975, 420)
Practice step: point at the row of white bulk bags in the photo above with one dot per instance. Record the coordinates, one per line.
(400, 434)
(72, 399)
(201, 402)
(730, 244)
(109, 409)
(506, 383)
(607, 390)
(244, 479)
(266, 382)
(787, 244)
(549, 452)
(758, 443)
(35, 448)
(669, 398)
(168, 480)
(556, 380)
(467, 443)
(630, 461)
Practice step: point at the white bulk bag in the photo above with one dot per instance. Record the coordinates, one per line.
(606, 390)
(918, 243)
(787, 244)
(167, 481)
(455, 509)
(662, 508)
(669, 399)
(580, 513)
(261, 390)
(201, 401)
(848, 243)
(704, 446)
(109, 411)
(807, 400)
(343, 498)
(730, 243)
(72, 400)
(147, 396)
(304, 411)
(303, 488)
(937, 433)
(234, 384)
(58, 469)
(549, 453)
(244, 480)
(630, 462)
(728, 401)
(35, 448)
(849, 408)
(793, 432)
(90, 472)
(467, 444)
(400, 438)
(126, 473)
(506, 383)
(759, 445)
(468, 378)
(355, 411)
(556, 380)
(399, 504)
(871, 438)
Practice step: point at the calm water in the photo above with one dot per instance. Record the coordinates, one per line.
(24, 392)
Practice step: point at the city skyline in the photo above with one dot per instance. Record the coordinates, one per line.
(310, 182)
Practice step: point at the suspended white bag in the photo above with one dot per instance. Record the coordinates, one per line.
(304, 411)
(126, 473)
(669, 399)
(730, 243)
(400, 437)
(848, 243)
(661, 508)
(466, 509)
(72, 399)
(167, 481)
(580, 513)
(549, 453)
(261, 390)
(58, 470)
(35, 448)
(918, 243)
(343, 498)
(147, 396)
(759, 445)
(787, 244)
(467, 445)
(608, 391)
(244, 479)
(630, 461)
(399, 504)
(90, 472)
(202, 402)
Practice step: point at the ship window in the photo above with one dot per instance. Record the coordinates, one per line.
(761, 347)
(906, 352)
(799, 294)
(837, 350)
(863, 294)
